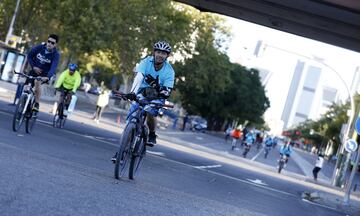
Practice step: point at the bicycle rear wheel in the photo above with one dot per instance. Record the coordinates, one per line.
(19, 116)
(30, 122)
(124, 153)
(137, 157)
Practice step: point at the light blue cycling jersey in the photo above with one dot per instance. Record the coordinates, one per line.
(285, 150)
(250, 138)
(268, 141)
(166, 73)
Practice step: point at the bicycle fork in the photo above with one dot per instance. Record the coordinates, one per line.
(28, 98)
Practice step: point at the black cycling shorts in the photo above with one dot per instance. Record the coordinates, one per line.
(34, 74)
(64, 91)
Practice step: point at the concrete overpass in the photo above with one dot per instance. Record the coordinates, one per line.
(336, 22)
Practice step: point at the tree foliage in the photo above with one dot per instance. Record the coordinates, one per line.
(213, 87)
(326, 129)
(110, 36)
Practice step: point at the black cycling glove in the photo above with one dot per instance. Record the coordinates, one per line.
(130, 96)
(164, 92)
(153, 82)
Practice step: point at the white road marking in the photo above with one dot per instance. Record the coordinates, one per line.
(155, 153)
(199, 138)
(233, 178)
(208, 167)
(252, 159)
(257, 181)
(45, 122)
(317, 204)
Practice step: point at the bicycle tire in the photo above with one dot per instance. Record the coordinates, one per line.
(281, 164)
(124, 152)
(61, 115)
(18, 117)
(62, 122)
(30, 123)
(57, 120)
(136, 158)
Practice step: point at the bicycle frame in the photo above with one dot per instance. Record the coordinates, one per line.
(28, 91)
(139, 117)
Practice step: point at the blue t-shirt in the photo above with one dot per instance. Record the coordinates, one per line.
(285, 150)
(250, 138)
(166, 73)
(40, 57)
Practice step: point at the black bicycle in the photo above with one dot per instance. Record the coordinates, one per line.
(133, 140)
(282, 162)
(59, 117)
(24, 109)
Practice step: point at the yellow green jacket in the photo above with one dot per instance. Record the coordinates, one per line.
(71, 82)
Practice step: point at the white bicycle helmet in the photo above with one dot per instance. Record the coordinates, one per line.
(163, 46)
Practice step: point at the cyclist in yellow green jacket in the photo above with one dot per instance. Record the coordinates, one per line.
(68, 82)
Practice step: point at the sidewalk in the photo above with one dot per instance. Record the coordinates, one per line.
(328, 195)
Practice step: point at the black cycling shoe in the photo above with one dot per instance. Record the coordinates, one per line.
(113, 159)
(36, 107)
(151, 139)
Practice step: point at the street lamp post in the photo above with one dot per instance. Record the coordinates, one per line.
(11, 27)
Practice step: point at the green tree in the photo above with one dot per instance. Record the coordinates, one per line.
(211, 86)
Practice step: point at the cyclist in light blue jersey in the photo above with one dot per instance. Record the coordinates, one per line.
(154, 80)
(286, 150)
(268, 142)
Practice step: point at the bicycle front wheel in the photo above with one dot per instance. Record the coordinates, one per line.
(56, 120)
(281, 166)
(137, 157)
(19, 115)
(59, 118)
(124, 153)
(30, 122)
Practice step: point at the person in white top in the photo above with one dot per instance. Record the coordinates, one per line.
(102, 101)
(318, 165)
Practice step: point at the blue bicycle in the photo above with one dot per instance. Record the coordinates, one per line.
(133, 140)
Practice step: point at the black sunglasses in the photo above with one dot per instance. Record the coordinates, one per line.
(52, 42)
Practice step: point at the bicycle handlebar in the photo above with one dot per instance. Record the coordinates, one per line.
(121, 96)
(30, 77)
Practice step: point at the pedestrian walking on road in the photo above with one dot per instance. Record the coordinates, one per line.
(185, 119)
(102, 101)
(318, 165)
(228, 133)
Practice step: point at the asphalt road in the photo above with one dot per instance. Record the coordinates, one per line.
(68, 172)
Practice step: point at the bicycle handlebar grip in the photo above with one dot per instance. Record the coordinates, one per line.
(168, 105)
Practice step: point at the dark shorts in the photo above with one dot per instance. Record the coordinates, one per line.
(34, 74)
(287, 155)
(64, 91)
